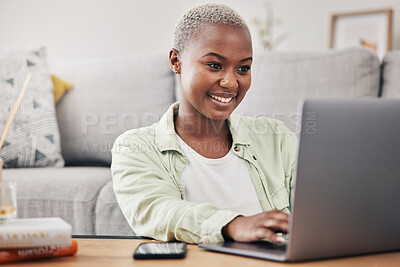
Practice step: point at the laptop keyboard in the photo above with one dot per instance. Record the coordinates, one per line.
(285, 237)
(261, 246)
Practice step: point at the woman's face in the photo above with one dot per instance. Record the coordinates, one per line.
(215, 71)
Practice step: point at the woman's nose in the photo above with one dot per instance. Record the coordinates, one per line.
(229, 81)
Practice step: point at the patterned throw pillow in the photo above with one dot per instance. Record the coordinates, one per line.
(33, 139)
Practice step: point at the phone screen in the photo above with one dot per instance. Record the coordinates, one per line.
(163, 250)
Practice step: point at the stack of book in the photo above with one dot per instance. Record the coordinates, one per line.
(35, 238)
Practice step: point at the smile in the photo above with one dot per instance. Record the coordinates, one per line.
(220, 99)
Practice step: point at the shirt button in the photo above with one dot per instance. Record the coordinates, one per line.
(237, 149)
(254, 157)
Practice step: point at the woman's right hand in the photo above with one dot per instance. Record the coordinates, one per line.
(264, 225)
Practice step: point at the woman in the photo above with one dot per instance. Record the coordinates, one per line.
(202, 174)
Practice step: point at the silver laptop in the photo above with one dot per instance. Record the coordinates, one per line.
(347, 195)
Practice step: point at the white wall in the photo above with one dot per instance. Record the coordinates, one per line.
(308, 21)
(106, 28)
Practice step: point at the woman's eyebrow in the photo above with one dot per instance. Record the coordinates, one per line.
(245, 59)
(215, 55)
(224, 58)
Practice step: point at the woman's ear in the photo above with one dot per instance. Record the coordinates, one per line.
(174, 61)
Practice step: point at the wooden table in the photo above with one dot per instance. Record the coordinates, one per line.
(118, 253)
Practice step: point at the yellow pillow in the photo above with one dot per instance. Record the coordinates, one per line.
(60, 87)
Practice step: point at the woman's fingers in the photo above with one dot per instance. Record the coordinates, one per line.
(269, 235)
(257, 227)
(278, 214)
(276, 225)
(276, 221)
(265, 233)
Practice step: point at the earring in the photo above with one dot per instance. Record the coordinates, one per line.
(176, 71)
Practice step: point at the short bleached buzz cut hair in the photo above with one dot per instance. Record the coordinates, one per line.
(208, 14)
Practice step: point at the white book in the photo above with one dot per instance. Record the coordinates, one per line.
(35, 232)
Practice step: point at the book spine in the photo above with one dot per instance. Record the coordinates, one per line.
(27, 239)
(22, 254)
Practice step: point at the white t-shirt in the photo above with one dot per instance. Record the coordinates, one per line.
(224, 182)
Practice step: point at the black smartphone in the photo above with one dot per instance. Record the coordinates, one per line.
(160, 250)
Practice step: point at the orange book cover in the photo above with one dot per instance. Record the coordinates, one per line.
(22, 254)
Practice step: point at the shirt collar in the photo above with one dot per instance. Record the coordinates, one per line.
(239, 129)
(165, 135)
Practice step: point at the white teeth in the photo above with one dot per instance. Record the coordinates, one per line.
(221, 99)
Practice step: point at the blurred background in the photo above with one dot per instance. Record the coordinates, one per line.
(104, 28)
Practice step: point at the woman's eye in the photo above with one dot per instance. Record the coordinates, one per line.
(215, 65)
(244, 68)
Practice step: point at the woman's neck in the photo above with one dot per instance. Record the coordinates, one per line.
(210, 138)
(199, 126)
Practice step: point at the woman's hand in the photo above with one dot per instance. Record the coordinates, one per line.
(260, 226)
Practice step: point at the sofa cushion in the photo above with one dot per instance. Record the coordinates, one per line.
(109, 97)
(391, 75)
(109, 217)
(282, 80)
(70, 193)
(33, 139)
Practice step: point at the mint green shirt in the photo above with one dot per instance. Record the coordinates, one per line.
(147, 164)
